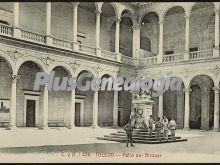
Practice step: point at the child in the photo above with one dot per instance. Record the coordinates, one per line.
(172, 126)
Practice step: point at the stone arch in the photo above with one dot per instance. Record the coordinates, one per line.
(33, 59)
(9, 60)
(206, 73)
(173, 6)
(85, 68)
(150, 11)
(63, 65)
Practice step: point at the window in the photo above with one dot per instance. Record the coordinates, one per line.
(193, 49)
(169, 52)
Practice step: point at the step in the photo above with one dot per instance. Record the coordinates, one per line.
(140, 135)
(142, 141)
(137, 137)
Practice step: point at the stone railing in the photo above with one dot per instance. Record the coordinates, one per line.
(108, 55)
(62, 43)
(148, 61)
(145, 54)
(87, 49)
(202, 54)
(5, 30)
(30, 36)
(127, 60)
(173, 57)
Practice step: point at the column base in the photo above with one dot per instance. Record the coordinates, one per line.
(98, 52)
(216, 52)
(186, 128)
(118, 57)
(44, 128)
(115, 126)
(11, 127)
(75, 46)
(49, 40)
(186, 56)
(17, 32)
(94, 126)
(216, 129)
(70, 126)
(160, 59)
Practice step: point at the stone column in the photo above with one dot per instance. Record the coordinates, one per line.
(187, 109)
(75, 27)
(136, 41)
(13, 101)
(205, 110)
(160, 56)
(72, 110)
(216, 110)
(45, 108)
(187, 38)
(216, 50)
(97, 38)
(49, 38)
(115, 109)
(117, 39)
(180, 109)
(16, 27)
(160, 109)
(95, 110)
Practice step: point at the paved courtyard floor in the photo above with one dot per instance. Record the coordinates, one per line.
(81, 145)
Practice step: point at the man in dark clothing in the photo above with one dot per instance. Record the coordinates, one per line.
(129, 129)
(158, 127)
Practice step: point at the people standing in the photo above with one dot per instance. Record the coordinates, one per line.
(129, 129)
(150, 124)
(165, 128)
(172, 126)
(158, 127)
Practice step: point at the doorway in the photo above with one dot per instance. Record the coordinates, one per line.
(30, 113)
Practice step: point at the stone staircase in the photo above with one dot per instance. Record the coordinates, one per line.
(140, 136)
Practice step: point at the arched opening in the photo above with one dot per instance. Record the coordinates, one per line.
(201, 103)
(106, 104)
(32, 16)
(29, 108)
(174, 31)
(5, 90)
(126, 34)
(149, 35)
(84, 104)
(173, 105)
(107, 20)
(86, 24)
(202, 30)
(59, 101)
(62, 20)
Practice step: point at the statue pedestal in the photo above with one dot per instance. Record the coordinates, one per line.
(142, 110)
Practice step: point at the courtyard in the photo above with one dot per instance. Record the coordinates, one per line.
(81, 144)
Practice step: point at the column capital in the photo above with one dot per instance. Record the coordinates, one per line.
(136, 26)
(117, 20)
(14, 77)
(161, 22)
(216, 89)
(187, 17)
(75, 4)
(187, 90)
(98, 12)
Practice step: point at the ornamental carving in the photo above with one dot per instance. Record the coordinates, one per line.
(74, 65)
(215, 70)
(47, 60)
(16, 54)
